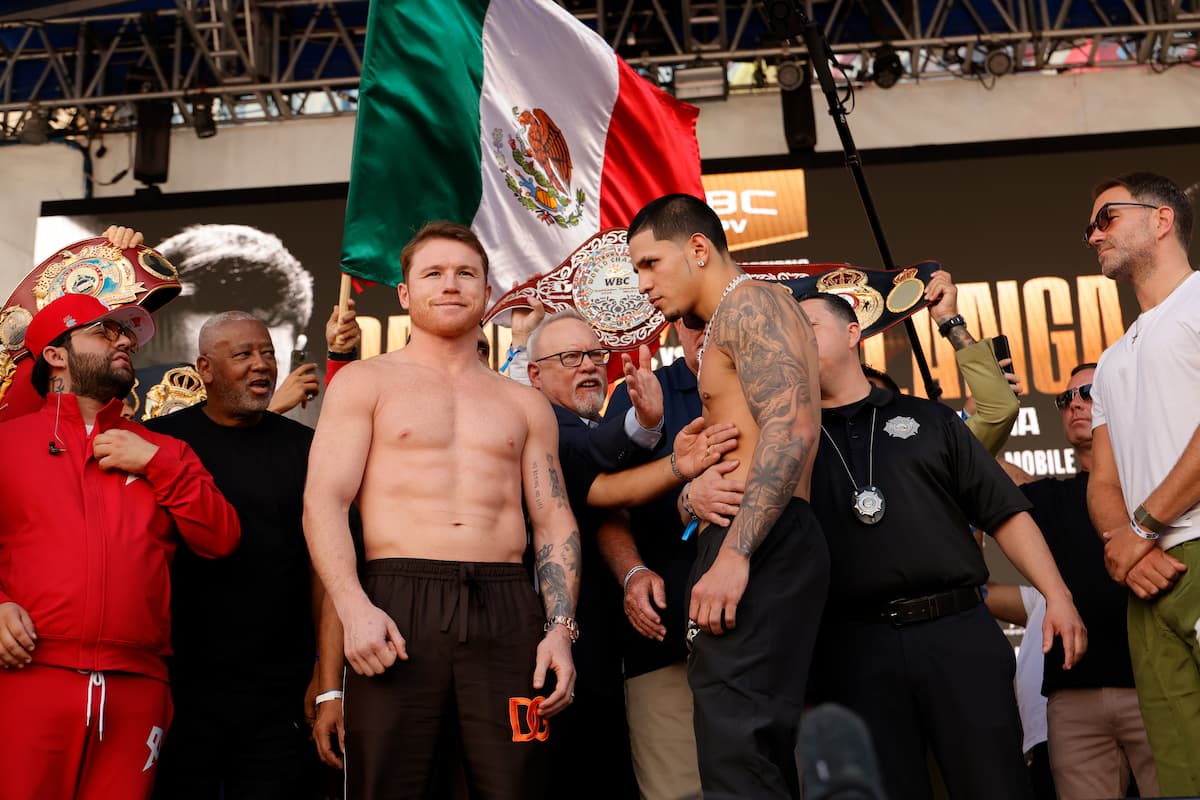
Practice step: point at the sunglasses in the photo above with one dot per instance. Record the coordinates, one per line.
(1104, 219)
(573, 358)
(1063, 401)
(112, 330)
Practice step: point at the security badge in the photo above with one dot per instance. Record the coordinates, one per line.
(902, 427)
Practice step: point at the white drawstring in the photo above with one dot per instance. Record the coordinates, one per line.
(96, 679)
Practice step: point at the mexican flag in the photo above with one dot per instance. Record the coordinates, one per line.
(513, 117)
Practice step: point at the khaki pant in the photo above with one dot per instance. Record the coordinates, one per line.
(659, 707)
(1164, 645)
(1096, 737)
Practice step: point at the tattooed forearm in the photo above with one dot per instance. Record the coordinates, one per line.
(558, 576)
(960, 337)
(772, 346)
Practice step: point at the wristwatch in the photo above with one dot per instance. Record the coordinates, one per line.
(1146, 520)
(953, 322)
(567, 622)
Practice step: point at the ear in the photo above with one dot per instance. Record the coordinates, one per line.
(535, 375)
(700, 248)
(1165, 222)
(204, 368)
(487, 295)
(402, 293)
(854, 334)
(56, 357)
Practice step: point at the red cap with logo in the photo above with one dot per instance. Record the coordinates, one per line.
(73, 311)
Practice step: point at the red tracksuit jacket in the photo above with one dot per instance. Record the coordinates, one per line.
(87, 552)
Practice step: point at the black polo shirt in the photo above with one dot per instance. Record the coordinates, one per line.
(656, 528)
(937, 481)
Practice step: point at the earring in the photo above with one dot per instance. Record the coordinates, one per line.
(699, 262)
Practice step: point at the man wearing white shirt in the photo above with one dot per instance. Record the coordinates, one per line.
(1144, 493)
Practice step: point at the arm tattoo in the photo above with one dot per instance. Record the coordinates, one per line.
(535, 478)
(773, 349)
(960, 337)
(558, 590)
(556, 489)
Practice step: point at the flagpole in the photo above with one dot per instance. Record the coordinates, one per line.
(820, 54)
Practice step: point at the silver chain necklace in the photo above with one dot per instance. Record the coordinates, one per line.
(866, 502)
(708, 327)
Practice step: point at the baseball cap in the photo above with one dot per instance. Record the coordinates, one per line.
(73, 311)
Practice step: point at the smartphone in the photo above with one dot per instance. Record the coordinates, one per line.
(299, 355)
(1000, 346)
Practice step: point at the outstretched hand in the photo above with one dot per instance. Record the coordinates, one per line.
(645, 392)
(697, 448)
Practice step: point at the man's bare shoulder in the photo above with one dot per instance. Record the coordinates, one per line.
(530, 400)
(754, 309)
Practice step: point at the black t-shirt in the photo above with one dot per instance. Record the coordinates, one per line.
(937, 481)
(656, 527)
(246, 620)
(1060, 510)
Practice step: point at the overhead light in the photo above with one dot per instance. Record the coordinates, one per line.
(887, 69)
(791, 75)
(202, 116)
(998, 61)
(36, 128)
(709, 82)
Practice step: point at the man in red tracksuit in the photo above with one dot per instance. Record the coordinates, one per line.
(91, 511)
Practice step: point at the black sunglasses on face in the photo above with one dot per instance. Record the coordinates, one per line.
(1063, 401)
(573, 358)
(1104, 218)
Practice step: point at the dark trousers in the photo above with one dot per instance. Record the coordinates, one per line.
(946, 685)
(748, 684)
(464, 694)
(249, 746)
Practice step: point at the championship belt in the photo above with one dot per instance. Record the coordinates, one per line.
(167, 388)
(880, 298)
(598, 281)
(93, 266)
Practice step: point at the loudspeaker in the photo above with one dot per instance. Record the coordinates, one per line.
(152, 150)
(799, 120)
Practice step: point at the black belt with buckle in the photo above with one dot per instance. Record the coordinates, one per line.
(926, 609)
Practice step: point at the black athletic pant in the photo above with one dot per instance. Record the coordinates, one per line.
(946, 685)
(465, 692)
(748, 684)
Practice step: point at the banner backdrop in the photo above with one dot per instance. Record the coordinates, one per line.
(1006, 225)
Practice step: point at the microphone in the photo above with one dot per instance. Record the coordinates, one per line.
(55, 450)
(839, 758)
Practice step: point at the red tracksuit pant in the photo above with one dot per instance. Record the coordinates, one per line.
(70, 735)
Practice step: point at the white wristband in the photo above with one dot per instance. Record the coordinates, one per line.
(330, 695)
(631, 573)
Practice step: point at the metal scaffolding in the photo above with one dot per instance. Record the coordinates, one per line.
(85, 74)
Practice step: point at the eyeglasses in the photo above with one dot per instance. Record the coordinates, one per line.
(1063, 401)
(112, 330)
(573, 358)
(1104, 218)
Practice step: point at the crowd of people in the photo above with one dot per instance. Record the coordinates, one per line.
(470, 583)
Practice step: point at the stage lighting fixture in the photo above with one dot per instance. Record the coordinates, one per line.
(708, 82)
(998, 61)
(791, 75)
(202, 116)
(887, 69)
(36, 128)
